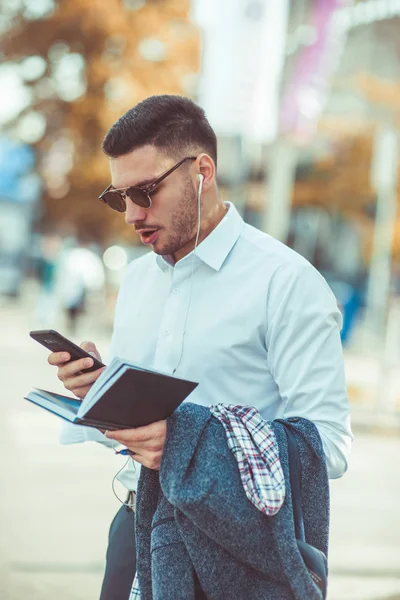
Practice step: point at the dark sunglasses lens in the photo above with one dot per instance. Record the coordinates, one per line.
(139, 197)
(115, 201)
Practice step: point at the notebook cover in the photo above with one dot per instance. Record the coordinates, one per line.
(138, 398)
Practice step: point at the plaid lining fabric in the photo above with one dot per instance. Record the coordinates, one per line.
(253, 444)
(135, 591)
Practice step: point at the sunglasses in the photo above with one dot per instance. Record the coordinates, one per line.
(141, 196)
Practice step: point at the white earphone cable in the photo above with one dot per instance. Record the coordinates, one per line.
(192, 271)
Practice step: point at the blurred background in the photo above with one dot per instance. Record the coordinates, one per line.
(304, 96)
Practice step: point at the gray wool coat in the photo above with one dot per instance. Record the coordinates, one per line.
(193, 516)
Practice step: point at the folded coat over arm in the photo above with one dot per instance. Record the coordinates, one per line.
(194, 517)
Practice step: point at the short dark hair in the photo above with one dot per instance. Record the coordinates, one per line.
(174, 124)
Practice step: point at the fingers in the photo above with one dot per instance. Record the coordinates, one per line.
(146, 442)
(58, 358)
(70, 373)
(123, 436)
(80, 392)
(151, 461)
(61, 358)
(76, 366)
(77, 382)
(91, 348)
(139, 435)
(148, 455)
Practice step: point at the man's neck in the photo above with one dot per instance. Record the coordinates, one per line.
(208, 225)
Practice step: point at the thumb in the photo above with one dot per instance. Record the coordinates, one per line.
(91, 348)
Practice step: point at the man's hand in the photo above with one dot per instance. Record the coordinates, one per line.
(70, 372)
(146, 442)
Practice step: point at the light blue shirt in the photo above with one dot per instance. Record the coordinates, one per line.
(250, 320)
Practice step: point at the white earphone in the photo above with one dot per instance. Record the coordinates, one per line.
(201, 179)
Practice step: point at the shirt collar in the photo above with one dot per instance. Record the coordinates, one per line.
(215, 248)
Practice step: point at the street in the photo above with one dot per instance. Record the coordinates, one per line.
(57, 501)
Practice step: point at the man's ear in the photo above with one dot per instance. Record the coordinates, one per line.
(207, 170)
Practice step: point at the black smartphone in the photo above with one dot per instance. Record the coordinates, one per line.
(56, 342)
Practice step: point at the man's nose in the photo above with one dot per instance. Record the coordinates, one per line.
(133, 212)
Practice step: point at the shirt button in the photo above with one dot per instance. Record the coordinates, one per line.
(175, 290)
(166, 332)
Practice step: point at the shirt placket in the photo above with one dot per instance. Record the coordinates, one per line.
(171, 331)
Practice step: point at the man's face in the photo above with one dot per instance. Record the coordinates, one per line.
(170, 225)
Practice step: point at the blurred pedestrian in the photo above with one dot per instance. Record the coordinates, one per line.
(47, 266)
(216, 301)
(80, 273)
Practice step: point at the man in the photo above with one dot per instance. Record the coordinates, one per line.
(216, 301)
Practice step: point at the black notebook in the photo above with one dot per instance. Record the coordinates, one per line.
(124, 396)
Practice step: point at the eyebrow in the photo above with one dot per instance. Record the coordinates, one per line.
(145, 182)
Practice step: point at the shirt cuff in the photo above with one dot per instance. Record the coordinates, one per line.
(77, 434)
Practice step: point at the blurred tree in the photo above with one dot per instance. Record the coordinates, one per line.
(84, 63)
(342, 184)
(341, 181)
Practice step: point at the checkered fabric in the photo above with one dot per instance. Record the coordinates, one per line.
(253, 444)
(135, 591)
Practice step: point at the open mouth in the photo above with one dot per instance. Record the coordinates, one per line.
(148, 236)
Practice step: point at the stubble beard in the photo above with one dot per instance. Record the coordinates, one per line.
(183, 222)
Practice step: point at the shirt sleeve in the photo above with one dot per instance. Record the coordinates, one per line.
(305, 358)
